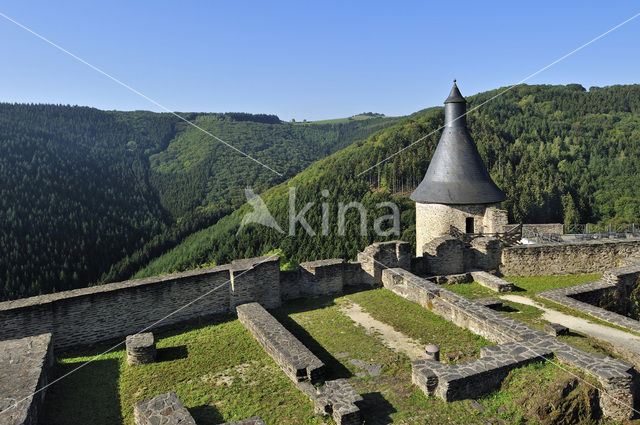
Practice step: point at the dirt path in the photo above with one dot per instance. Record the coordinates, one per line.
(616, 337)
(396, 341)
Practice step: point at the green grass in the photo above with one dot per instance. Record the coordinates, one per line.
(529, 285)
(419, 323)
(222, 374)
(219, 372)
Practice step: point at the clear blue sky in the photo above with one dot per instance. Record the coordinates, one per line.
(312, 60)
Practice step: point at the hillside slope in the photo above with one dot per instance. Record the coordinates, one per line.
(560, 153)
(89, 196)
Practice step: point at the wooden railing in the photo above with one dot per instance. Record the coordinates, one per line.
(508, 238)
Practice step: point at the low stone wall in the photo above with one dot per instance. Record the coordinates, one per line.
(381, 255)
(96, 314)
(612, 290)
(91, 315)
(318, 278)
(255, 279)
(616, 377)
(444, 255)
(163, 409)
(24, 369)
(486, 253)
(297, 362)
(548, 228)
(566, 258)
(476, 377)
(492, 282)
(336, 398)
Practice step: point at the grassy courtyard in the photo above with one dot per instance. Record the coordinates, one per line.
(222, 374)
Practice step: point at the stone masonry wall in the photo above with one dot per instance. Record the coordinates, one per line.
(444, 255)
(318, 278)
(24, 369)
(610, 292)
(380, 255)
(566, 258)
(434, 220)
(90, 315)
(295, 360)
(163, 409)
(256, 279)
(616, 377)
(548, 228)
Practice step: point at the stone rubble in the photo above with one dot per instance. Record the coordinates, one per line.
(163, 409)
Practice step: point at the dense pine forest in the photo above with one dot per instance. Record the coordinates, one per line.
(90, 196)
(561, 154)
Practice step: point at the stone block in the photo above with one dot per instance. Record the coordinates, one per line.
(555, 329)
(295, 360)
(343, 401)
(492, 282)
(141, 348)
(24, 369)
(163, 409)
(476, 377)
(451, 279)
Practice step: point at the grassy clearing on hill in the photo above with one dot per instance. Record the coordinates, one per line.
(221, 373)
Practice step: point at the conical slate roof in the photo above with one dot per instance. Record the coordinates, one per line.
(456, 174)
(455, 96)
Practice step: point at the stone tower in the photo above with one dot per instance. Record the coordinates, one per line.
(457, 189)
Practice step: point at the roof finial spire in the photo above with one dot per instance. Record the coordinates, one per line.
(455, 96)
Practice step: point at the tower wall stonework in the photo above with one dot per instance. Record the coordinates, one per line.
(435, 220)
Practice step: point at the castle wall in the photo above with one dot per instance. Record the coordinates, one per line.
(566, 258)
(24, 374)
(434, 220)
(91, 315)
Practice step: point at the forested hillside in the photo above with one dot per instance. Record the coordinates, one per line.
(90, 196)
(561, 154)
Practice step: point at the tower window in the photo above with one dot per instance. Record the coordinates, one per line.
(469, 225)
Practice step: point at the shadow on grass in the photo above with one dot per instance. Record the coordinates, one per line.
(376, 410)
(168, 354)
(87, 396)
(576, 334)
(334, 369)
(506, 309)
(206, 415)
(516, 288)
(117, 344)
